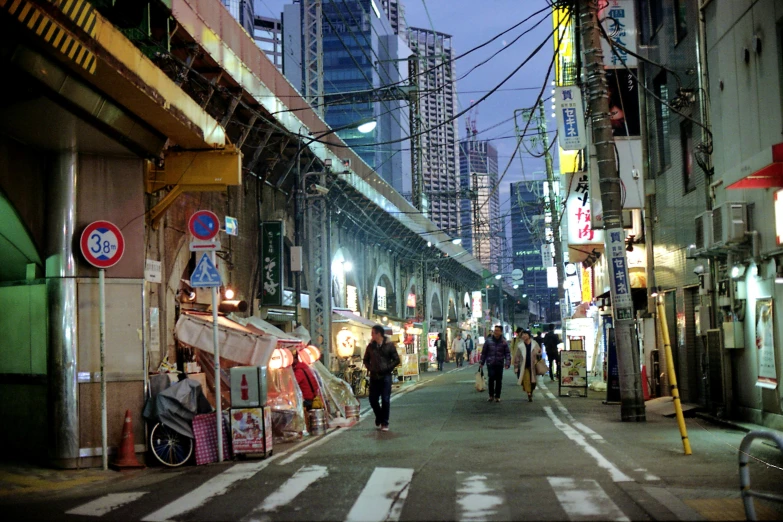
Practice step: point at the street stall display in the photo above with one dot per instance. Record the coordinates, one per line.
(250, 345)
(572, 381)
(339, 402)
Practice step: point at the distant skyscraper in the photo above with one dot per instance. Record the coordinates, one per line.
(438, 104)
(527, 238)
(268, 34)
(395, 12)
(242, 11)
(361, 52)
(481, 228)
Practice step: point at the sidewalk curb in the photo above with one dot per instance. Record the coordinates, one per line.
(722, 422)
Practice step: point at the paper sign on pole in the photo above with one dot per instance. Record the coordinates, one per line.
(622, 303)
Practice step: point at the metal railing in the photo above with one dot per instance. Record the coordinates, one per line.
(744, 471)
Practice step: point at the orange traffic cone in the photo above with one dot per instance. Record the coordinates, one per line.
(126, 458)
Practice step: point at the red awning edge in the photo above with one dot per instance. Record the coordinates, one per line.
(769, 176)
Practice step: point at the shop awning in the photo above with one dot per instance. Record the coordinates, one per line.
(766, 169)
(343, 315)
(258, 325)
(237, 343)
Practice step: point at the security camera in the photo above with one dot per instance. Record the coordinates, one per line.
(698, 269)
(320, 189)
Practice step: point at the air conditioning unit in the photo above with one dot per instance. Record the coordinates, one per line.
(703, 225)
(729, 224)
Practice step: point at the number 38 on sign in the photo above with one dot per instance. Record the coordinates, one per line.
(102, 244)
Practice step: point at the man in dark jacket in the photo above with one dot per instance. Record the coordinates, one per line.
(381, 358)
(551, 340)
(496, 356)
(440, 347)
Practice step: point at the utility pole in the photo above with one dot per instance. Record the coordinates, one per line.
(631, 399)
(550, 178)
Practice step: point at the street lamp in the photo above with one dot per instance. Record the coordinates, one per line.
(363, 126)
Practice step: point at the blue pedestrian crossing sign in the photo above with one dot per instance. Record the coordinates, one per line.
(205, 275)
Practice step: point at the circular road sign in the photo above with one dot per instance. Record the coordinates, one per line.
(102, 244)
(517, 274)
(204, 225)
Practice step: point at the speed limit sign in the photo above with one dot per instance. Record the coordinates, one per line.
(102, 244)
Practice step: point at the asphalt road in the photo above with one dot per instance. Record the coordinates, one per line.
(450, 455)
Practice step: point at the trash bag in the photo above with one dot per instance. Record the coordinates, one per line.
(176, 406)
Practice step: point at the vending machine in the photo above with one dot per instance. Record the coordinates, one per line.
(251, 418)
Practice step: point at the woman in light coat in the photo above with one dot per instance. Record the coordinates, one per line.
(527, 354)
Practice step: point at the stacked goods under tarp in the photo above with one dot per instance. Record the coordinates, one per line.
(246, 345)
(339, 401)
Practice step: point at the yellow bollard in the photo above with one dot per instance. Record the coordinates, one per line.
(672, 376)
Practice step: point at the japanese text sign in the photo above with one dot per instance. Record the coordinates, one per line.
(570, 118)
(622, 303)
(578, 209)
(271, 263)
(619, 22)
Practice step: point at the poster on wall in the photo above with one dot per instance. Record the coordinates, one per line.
(430, 355)
(765, 344)
(623, 102)
(410, 365)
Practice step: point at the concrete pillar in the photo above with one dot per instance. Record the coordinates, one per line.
(61, 266)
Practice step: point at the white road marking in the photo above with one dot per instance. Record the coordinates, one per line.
(476, 499)
(603, 462)
(584, 499)
(106, 504)
(214, 487)
(300, 481)
(651, 477)
(383, 496)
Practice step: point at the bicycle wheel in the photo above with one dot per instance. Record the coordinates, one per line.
(169, 447)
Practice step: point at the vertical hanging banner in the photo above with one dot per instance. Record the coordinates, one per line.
(272, 263)
(578, 211)
(570, 118)
(622, 303)
(618, 19)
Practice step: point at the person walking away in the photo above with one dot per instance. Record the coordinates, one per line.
(440, 346)
(513, 347)
(496, 355)
(458, 348)
(307, 382)
(527, 355)
(469, 348)
(381, 358)
(539, 338)
(551, 340)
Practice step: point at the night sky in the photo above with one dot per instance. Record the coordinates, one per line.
(472, 22)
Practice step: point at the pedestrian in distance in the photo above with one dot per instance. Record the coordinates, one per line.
(513, 347)
(539, 338)
(307, 382)
(551, 340)
(458, 349)
(528, 353)
(469, 348)
(381, 358)
(440, 346)
(496, 355)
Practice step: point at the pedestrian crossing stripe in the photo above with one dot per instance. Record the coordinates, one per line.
(480, 496)
(81, 12)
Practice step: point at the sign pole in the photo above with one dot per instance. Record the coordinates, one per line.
(104, 424)
(216, 349)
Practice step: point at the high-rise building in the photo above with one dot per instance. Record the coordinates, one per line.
(480, 226)
(242, 11)
(527, 240)
(361, 52)
(438, 104)
(395, 12)
(268, 34)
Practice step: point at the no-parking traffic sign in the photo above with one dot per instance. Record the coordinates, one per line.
(204, 225)
(102, 244)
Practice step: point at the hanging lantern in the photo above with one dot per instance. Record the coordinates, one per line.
(281, 358)
(346, 343)
(304, 356)
(315, 353)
